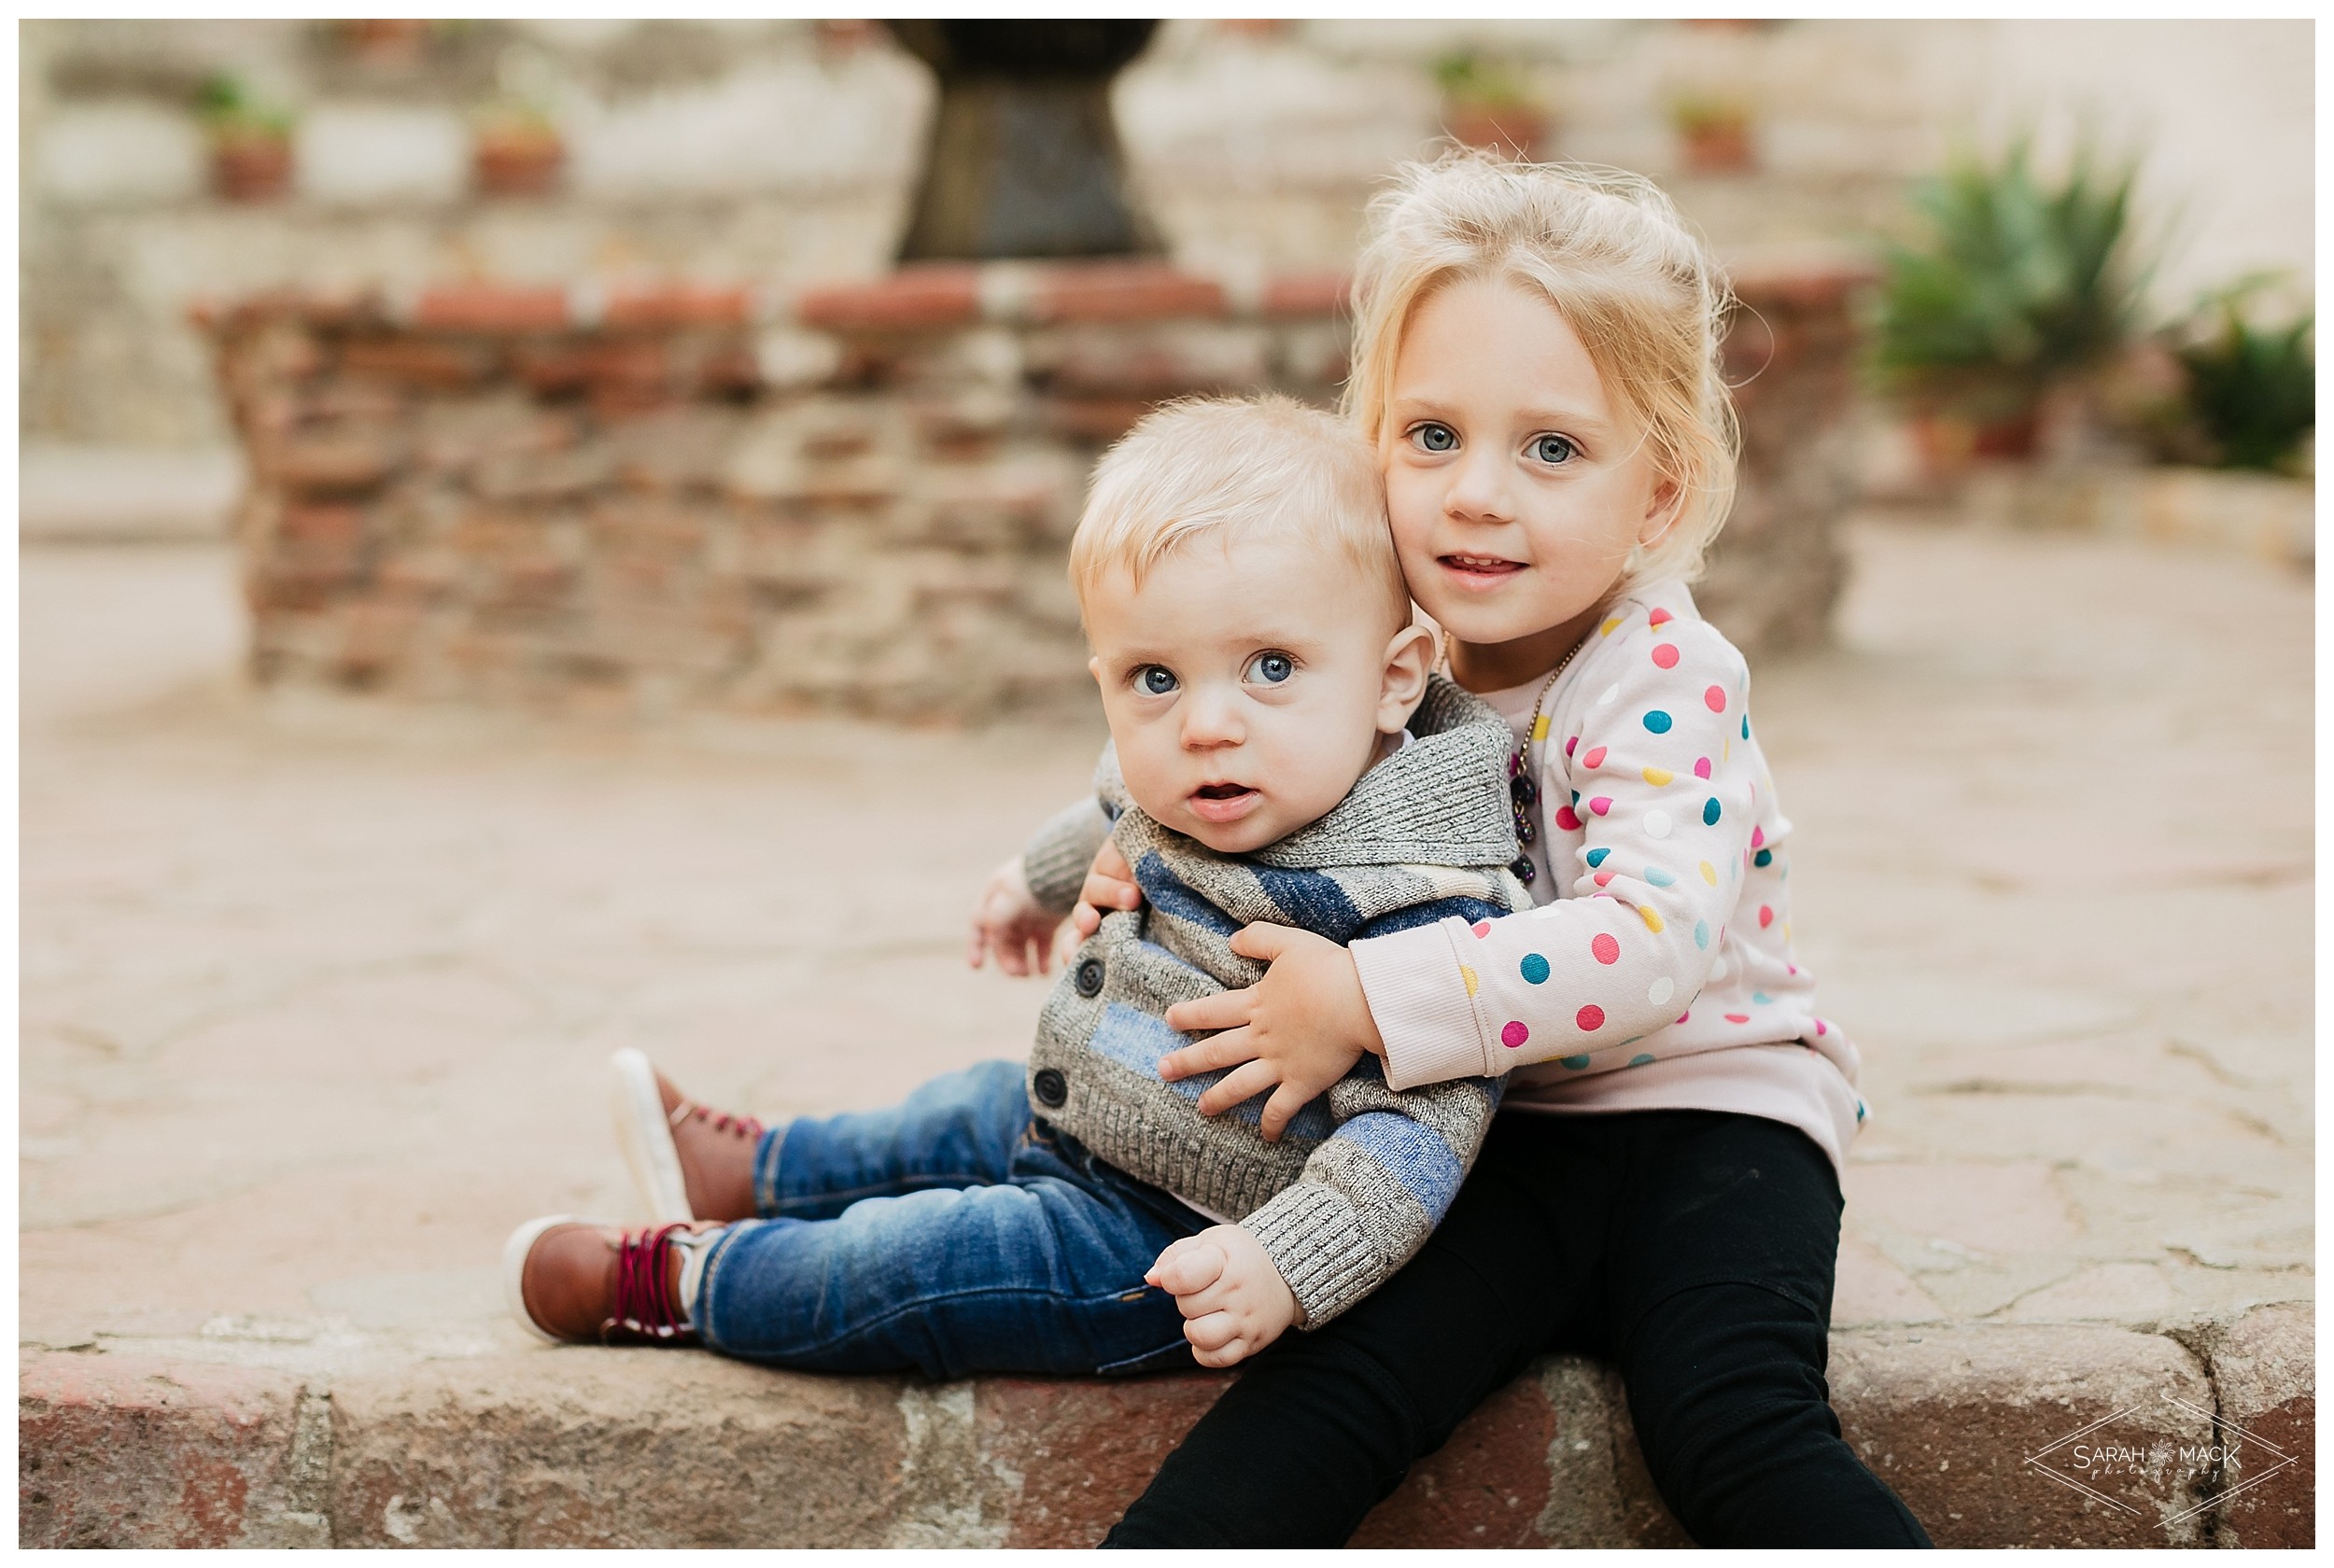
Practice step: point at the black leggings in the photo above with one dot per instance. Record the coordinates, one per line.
(1694, 1248)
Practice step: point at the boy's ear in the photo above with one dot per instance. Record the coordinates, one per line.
(1409, 660)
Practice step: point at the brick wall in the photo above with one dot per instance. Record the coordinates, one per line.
(854, 498)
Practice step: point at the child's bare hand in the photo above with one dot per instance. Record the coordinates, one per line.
(1007, 920)
(1301, 1027)
(1233, 1301)
(1109, 885)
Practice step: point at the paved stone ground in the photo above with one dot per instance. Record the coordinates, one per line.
(316, 992)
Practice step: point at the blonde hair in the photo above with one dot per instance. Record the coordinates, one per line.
(1236, 468)
(1608, 251)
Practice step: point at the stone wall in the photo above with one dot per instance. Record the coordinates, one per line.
(854, 497)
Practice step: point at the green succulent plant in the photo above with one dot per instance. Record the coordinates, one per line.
(1467, 78)
(2252, 390)
(2021, 284)
(229, 107)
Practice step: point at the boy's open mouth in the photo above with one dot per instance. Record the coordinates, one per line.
(1223, 802)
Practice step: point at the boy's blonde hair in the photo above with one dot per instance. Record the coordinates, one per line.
(1610, 252)
(1235, 468)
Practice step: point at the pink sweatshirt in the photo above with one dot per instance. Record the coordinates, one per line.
(1657, 971)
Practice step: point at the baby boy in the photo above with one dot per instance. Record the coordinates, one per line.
(1280, 753)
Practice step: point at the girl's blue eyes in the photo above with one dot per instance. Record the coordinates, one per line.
(1158, 679)
(1554, 449)
(1436, 438)
(1269, 668)
(1551, 449)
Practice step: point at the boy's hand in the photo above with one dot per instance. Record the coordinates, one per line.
(1006, 918)
(1109, 885)
(1301, 1027)
(1233, 1301)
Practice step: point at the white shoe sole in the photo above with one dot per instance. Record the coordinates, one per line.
(514, 1252)
(644, 1133)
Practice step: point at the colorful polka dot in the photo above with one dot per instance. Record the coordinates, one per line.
(1657, 722)
(1535, 969)
(1610, 694)
(1687, 1014)
(1758, 837)
(1659, 618)
(1658, 776)
(1746, 726)
(1819, 1026)
(1661, 990)
(1766, 917)
(1652, 916)
(1642, 1060)
(1658, 824)
(1764, 857)
(1514, 1034)
(1761, 999)
(1481, 928)
(1710, 873)
(1472, 979)
(1710, 812)
(1567, 819)
(1666, 654)
(1594, 757)
(1597, 856)
(1701, 933)
(1589, 1018)
(1658, 876)
(1606, 949)
(1602, 878)
(1569, 743)
(1715, 699)
(1610, 627)
(1701, 767)
(1575, 1063)
(1601, 805)
(1718, 970)
(1734, 1019)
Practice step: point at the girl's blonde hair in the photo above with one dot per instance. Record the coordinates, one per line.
(1610, 252)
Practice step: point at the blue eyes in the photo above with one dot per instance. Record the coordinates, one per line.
(1271, 668)
(1268, 669)
(1439, 438)
(1436, 438)
(1158, 679)
(1554, 449)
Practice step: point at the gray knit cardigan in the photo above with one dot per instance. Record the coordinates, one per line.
(1362, 1174)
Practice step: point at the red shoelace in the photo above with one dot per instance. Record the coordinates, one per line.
(646, 1300)
(721, 1121)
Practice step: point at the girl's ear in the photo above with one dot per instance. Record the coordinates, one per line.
(1661, 512)
(1094, 668)
(1409, 660)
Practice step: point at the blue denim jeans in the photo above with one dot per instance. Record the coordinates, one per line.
(953, 1233)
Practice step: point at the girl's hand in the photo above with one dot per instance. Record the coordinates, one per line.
(1233, 1301)
(1109, 885)
(1006, 920)
(1301, 1027)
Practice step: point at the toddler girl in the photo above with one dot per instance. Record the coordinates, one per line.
(1536, 359)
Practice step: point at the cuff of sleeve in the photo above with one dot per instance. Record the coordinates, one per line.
(1055, 862)
(1418, 996)
(1314, 1239)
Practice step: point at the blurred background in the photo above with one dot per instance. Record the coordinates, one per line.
(544, 535)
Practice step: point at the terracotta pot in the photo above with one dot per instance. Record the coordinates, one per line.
(1515, 130)
(2014, 438)
(391, 41)
(517, 164)
(250, 168)
(1719, 148)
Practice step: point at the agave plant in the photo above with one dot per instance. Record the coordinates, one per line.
(2021, 285)
(2253, 391)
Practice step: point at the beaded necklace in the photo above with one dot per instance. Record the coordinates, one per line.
(1523, 794)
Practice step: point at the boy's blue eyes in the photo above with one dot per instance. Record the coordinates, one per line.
(1155, 679)
(1271, 668)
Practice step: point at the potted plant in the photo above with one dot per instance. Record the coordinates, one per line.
(515, 150)
(2251, 394)
(1485, 104)
(1714, 131)
(251, 152)
(2020, 289)
(391, 41)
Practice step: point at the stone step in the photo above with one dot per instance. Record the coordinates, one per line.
(1995, 1436)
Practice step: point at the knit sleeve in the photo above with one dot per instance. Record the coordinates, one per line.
(1649, 804)
(1374, 1189)
(1059, 851)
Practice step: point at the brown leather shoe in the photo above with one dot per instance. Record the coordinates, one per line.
(582, 1282)
(688, 1160)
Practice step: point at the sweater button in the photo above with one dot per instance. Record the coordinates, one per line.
(1050, 1087)
(1087, 978)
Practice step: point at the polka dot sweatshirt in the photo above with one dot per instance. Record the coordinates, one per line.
(1657, 971)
